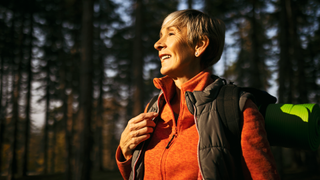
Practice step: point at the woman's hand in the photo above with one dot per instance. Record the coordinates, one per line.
(138, 129)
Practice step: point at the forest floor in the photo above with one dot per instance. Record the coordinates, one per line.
(301, 174)
(115, 175)
(106, 175)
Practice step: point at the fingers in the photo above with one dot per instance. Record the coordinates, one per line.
(134, 126)
(143, 116)
(141, 132)
(138, 130)
(138, 127)
(137, 140)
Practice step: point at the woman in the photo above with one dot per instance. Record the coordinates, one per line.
(182, 137)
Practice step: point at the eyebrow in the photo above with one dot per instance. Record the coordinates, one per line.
(172, 26)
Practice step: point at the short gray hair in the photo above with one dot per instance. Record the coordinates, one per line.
(200, 25)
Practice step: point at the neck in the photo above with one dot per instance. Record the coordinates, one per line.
(177, 97)
(179, 81)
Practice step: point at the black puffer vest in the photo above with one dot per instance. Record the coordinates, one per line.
(219, 153)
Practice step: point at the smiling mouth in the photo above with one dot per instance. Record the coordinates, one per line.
(165, 57)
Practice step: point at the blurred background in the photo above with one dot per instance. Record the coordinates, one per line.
(73, 72)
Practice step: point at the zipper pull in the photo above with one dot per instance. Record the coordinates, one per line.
(170, 141)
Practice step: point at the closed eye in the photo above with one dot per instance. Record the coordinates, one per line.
(171, 34)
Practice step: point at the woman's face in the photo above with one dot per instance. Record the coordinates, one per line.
(177, 57)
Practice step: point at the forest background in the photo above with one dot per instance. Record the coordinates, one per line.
(88, 66)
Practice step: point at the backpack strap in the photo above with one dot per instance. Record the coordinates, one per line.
(228, 109)
(261, 98)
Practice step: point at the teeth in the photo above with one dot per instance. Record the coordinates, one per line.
(165, 57)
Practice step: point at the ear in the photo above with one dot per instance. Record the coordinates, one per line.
(201, 46)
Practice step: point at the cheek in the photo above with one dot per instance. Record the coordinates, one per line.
(186, 51)
(183, 50)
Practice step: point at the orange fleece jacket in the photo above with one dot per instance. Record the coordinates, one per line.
(172, 152)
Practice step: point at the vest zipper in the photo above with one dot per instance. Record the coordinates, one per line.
(195, 121)
(135, 163)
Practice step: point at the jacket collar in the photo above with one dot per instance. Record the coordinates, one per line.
(197, 83)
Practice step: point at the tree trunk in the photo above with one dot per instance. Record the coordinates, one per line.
(190, 2)
(256, 69)
(67, 120)
(13, 164)
(138, 61)
(98, 153)
(2, 117)
(301, 82)
(83, 163)
(28, 103)
(69, 134)
(100, 110)
(46, 125)
(53, 145)
(313, 64)
(12, 169)
(285, 64)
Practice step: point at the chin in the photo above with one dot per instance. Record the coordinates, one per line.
(163, 72)
(167, 73)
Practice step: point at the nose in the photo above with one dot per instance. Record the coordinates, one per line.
(159, 45)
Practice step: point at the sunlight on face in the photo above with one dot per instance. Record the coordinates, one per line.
(176, 55)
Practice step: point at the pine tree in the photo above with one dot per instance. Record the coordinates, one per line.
(12, 162)
(250, 18)
(138, 64)
(2, 93)
(290, 80)
(83, 162)
(69, 79)
(313, 54)
(105, 17)
(28, 97)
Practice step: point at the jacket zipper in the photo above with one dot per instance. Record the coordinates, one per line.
(165, 154)
(166, 150)
(170, 141)
(195, 121)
